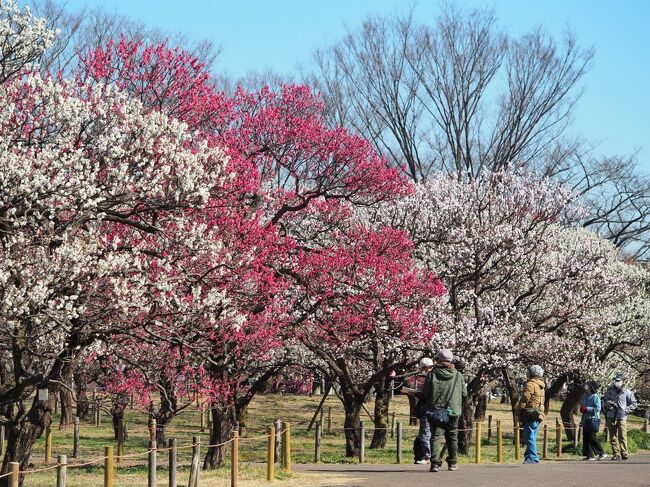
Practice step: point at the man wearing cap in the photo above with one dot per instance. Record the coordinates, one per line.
(530, 409)
(619, 401)
(444, 390)
(422, 444)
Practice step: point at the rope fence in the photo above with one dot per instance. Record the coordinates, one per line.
(278, 446)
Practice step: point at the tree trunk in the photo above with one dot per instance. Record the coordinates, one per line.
(81, 390)
(553, 390)
(242, 419)
(66, 407)
(223, 423)
(167, 410)
(382, 404)
(352, 406)
(513, 393)
(474, 392)
(481, 407)
(575, 393)
(23, 432)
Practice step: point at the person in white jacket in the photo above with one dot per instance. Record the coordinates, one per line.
(618, 402)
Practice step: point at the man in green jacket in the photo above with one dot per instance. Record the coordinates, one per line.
(444, 389)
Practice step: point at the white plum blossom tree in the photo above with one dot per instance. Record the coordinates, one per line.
(523, 279)
(96, 193)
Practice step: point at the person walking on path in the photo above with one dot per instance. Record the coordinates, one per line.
(422, 443)
(444, 390)
(590, 422)
(530, 408)
(619, 402)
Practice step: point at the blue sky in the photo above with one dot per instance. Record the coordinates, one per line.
(282, 34)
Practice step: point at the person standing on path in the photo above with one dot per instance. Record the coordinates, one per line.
(444, 390)
(590, 422)
(619, 402)
(530, 409)
(422, 443)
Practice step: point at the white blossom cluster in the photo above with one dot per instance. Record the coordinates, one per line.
(525, 284)
(96, 195)
(23, 38)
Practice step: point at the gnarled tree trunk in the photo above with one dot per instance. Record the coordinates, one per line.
(553, 390)
(382, 404)
(571, 402)
(24, 430)
(223, 423)
(81, 391)
(66, 404)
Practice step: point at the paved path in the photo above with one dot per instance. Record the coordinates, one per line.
(634, 472)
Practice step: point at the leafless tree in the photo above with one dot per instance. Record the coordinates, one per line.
(459, 95)
(462, 96)
(86, 29)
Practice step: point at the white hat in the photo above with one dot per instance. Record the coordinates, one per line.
(425, 362)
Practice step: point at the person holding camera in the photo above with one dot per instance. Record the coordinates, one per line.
(530, 408)
(619, 402)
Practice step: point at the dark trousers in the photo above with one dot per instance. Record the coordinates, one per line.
(590, 444)
(450, 432)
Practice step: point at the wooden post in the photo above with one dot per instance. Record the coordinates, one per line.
(61, 473)
(576, 436)
(14, 479)
(391, 389)
(234, 462)
(75, 437)
(362, 442)
(151, 477)
(517, 442)
(286, 447)
(322, 418)
(194, 468)
(120, 441)
(399, 442)
(278, 432)
(499, 442)
(545, 444)
(489, 429)
(317, 444)
(558, 438)
(48, 444)
(646, 423)
(392, 424)
(108, 466)
(152, 429)
(270, 453)
(477, 451)
(98, 414)
(202, 420)
(329, 419)
(173, 462)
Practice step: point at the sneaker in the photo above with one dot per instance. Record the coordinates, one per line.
(453, 467)
(421, 462)
(434, 468)
(588, 459)
(623, 457)
(602, 456)
(616, 458)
